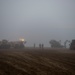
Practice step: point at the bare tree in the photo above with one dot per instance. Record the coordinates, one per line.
(67, 41)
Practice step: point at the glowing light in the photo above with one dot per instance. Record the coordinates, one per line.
(22, 40)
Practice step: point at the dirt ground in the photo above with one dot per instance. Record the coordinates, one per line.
(35, 61)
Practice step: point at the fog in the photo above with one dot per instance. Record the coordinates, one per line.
(37, 21)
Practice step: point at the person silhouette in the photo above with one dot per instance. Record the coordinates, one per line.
(42, 45)
(39, 45)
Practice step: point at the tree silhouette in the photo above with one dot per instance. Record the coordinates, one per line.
(4, 44)
(55, 44)
(67, 41)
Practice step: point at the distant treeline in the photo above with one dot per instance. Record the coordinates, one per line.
(4, 44)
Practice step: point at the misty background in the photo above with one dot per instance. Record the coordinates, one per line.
(37, 21)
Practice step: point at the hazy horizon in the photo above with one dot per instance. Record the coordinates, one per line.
(37, 21)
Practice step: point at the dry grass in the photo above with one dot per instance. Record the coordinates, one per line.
(37, 62)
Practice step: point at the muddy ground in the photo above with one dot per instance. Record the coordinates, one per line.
(35, 61)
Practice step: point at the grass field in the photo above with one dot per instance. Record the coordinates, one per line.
(37, 61)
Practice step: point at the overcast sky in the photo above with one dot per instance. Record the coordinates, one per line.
(38, 21)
